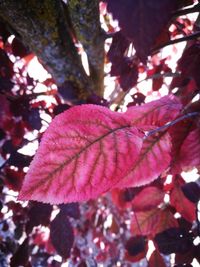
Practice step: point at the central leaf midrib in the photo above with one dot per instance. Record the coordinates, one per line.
(61, 166)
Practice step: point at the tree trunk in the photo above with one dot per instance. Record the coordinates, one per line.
(46, 28)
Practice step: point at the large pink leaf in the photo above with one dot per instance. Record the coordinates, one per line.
(155, 113)
(152, 222)
(154, 159)
(85, 151)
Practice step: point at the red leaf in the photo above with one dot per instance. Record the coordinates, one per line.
(189, 63)
(190, 150)
(155, 113)
(178, 132)
(142, 21)
(153, 160)
(85, 151)
(61, 235)
(150, 197)
(136, 248)
(4, 110)
(13, 179)
(152, 222)
(156, 260)
(183, 205)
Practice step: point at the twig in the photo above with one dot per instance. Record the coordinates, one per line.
(186, 11)
(169, 124)
(154, 76)
(178, 40)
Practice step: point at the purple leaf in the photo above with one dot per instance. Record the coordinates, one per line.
(61, 235)
(20, 258)
(142, 21)
(174, 240)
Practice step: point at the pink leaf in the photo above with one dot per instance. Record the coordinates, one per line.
(152, 222)
(150, 197)
(190, 150)
(85, 151)
(155, 113)
(154, 159)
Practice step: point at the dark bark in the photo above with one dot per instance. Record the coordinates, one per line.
(85, 20)
(44, 27)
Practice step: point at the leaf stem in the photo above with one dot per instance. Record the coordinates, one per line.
(167, 125)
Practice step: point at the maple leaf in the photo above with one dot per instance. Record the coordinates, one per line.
(152, 222)
(84, 153)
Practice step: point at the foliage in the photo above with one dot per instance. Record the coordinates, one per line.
(108, 178)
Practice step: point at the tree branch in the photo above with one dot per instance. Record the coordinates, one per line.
(186, 11)
(44, 28)
(84, 15)
(178, 40)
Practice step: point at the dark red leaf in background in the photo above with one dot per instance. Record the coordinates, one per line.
(135, 245)
(118, 47)
(178, 132)
(14, 179)
(4, 111)
(67, 91)
(61, 235)
(21, 256)
(5, 84)
(18, 49)
(19, 160)
(4, 33)
(19, 105)
(60, 108)
(138, 98)
(7, 148)
(191, 191)
(141, 21)
(129, 75)
(71, 210)
(2, 134)
(39, 213)
(186, 257)
(190, 150)
(189, 63)
(6, 66)
(156, 260)
(174, 240)
(33, 118)
(150, 197)
(184, 206)
(152, 222)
